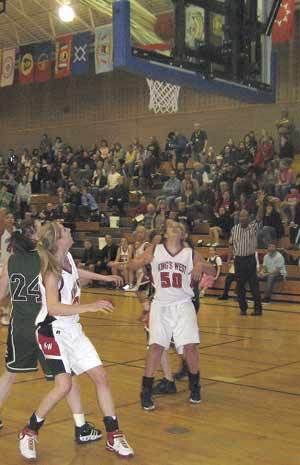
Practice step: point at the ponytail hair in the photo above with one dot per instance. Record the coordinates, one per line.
(21, 240)
(47, 248)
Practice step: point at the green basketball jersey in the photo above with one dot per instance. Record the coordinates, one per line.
(24, 281)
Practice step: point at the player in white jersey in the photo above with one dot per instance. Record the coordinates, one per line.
(63, 342)
(174, 266)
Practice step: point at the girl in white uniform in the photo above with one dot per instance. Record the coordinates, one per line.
(172, 311)
(63, 341)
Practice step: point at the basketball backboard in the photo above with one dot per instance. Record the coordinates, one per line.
(184, 43)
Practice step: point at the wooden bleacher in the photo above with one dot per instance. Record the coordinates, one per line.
(286, 291)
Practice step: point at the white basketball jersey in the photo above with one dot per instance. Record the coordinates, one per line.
(69, 290)
(171, 275)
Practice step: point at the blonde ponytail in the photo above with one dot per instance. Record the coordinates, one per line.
(47, 249)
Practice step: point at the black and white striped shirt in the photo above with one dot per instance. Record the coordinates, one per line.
(244, 240)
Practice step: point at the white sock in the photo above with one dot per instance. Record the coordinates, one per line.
(79, 419)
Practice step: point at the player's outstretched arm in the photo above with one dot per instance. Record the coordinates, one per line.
(90, 275)
(142, 260)
(4, 281)
(55, 308)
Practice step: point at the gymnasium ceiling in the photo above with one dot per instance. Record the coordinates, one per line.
(32, 21)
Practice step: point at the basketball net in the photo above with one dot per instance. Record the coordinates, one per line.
(163, 96)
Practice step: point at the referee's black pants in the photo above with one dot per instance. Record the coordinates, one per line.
(245, 272)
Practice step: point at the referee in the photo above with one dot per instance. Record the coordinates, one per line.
(243, 243)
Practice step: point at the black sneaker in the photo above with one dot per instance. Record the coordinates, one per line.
(87, 433)
(164, 386)
(182, 373)
(146, 400)
(195, 397)
(1, 424)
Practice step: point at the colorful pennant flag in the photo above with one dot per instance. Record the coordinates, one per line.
(8, 67)
(43, 61)
(80, 53)
(26, 65)
(103, 49)
(63, 56)
(283, 28)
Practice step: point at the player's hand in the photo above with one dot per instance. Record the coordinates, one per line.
(117, 280)
(104, 306)
(196, 272)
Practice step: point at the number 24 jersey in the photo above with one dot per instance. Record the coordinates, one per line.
(171, 275)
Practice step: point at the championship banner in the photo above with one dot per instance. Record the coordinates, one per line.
(26, 65)
(8, 67)
(43, 62)
(103, 49)
(80, 53)
(63, 52)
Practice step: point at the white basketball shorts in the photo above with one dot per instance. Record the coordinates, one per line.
(67, 349)
(178, 321)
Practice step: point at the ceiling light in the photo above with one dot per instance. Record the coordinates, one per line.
(66, 13)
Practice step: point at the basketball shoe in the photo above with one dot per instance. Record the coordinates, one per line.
(27, 440)
(87, 433)
(116, 442)
(146, 400)
(164, 386)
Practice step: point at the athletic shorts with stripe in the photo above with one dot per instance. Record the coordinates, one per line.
(22, 351)
(66, 348)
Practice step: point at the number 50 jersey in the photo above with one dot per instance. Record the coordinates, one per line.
(172, 275)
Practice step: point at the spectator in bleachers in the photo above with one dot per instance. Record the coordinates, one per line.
(119, 266)
(149, 217)
(273, 270)
(106, 255)
(286, 148)
(171, 189)
(162, 214)
(189, 195)
(286, 179)
(88, 208)
(118, 154)
(272, 226)
(118, 196)
(6, 198)
(184, 215)
(48, 214)
(208, 280)
(23, 196)
(289, 204)
(176, 145)
(220, 226)
(104, 149)
(89, 256)
(130, 160)
(154, 148)
(198, 142)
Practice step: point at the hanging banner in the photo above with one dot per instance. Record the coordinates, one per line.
(103, 49)
(63, 54)
(8, 67)
(43, 62)
(80, 53)
(26, 65)
(283, 27)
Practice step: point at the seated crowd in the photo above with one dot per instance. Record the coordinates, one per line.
(201, 186)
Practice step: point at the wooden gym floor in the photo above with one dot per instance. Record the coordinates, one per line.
(250, 414)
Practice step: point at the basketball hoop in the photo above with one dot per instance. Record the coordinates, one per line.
(163, 96)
